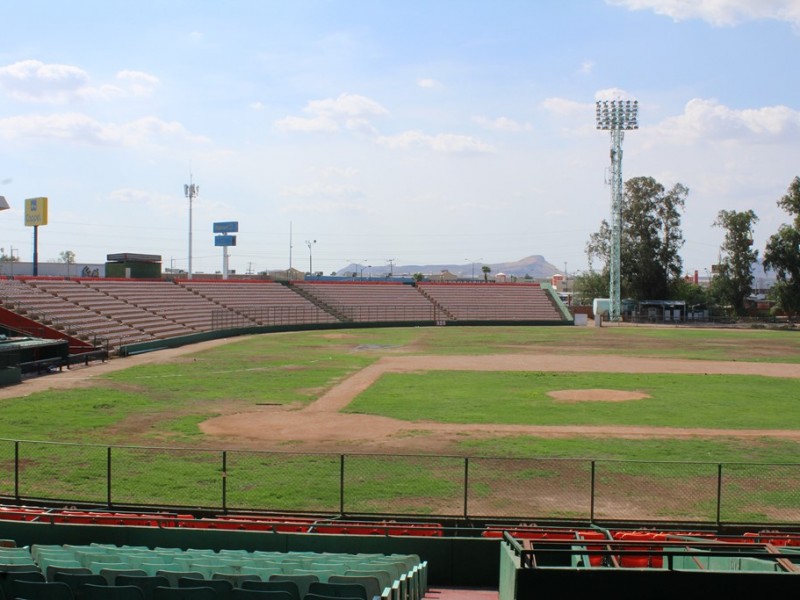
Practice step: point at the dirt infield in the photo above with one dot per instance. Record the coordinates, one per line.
(321, 427)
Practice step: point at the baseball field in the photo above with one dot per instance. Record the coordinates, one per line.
(611, 393)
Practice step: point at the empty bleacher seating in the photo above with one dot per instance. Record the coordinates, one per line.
(493, 301)
(373, 301)
(260, 302)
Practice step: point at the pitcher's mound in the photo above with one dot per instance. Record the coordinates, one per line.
(596, 395)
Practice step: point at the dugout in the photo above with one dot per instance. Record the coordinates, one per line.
(661, 311)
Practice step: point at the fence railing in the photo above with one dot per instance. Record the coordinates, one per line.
(408, 485)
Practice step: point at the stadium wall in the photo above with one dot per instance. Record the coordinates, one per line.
(452, 561)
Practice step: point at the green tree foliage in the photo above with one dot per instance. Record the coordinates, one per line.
(588, 286)
(486, 270)
(650, 262)
(733, 281)
(782, 253)
(693, 294)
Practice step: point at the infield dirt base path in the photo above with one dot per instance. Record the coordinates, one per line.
(320, 425)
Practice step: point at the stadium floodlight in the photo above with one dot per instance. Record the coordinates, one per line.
(616, 116)
(190, 190)
(310, 243)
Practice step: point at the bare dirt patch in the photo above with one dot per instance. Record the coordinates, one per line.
(596, 395)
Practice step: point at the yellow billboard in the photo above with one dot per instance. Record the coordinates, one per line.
(35, 212)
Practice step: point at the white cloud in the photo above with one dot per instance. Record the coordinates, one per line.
(35, 81)
(82, 128)
(443, 142)
(146, 202)
(326, 190)
(137, 82)
(586, 67)
(429, 83)
(350, 105)
(338, 172)
(566, 108)
(714, 121)
(319, 123)
(350, 111)
(326, 207)
(501, 124)
(32, 80)
(719, 12)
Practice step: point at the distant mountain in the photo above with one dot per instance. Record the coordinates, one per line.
(535, 266)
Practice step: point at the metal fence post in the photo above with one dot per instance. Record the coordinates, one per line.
(719, 494)
(225, 481)
(341, 484)
(108, 476)
(466, 487)
(591, 503)
(16, 470)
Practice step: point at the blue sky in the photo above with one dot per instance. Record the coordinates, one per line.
(419, 131)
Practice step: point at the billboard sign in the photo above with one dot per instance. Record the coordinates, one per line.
(226, 227)
(35, 212)
(225, 240)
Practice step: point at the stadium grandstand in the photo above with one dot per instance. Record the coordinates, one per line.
(124, 315)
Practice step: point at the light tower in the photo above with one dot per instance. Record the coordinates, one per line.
(310, 244)
(190, 190)
(616, 116)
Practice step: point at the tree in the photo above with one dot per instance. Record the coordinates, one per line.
(486, 270)
(782, 253)
(651, 238)
(733, 281)
(418, 277)
(68, 258)
(588, 286)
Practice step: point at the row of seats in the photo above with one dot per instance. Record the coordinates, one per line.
(370, 302)
(79, 585)
(130, 311)
(647, 549)
(399, 577)
(230, 522)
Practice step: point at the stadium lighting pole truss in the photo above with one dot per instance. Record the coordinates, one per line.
(616, 116)
(190, 190)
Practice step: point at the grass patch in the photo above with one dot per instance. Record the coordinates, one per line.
(520, 398)
(683, 450)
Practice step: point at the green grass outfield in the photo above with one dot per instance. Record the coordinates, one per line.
(520, 398)
(162, 404)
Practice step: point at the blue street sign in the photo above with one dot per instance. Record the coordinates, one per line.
(226, 227)
(225, 240)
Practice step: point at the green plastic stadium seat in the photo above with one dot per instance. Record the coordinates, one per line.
(110, 592)
(146, 583)
(287, 587)
(42, 590)
(175, 593)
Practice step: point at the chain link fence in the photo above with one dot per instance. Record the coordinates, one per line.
(408, 485)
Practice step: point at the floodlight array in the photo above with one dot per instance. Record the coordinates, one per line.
(617, 115)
